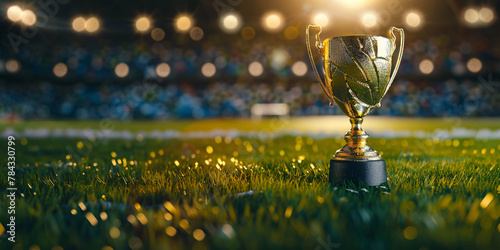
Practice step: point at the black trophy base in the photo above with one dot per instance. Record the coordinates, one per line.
(371, 173)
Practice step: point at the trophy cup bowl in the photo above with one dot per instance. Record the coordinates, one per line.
(357, 73)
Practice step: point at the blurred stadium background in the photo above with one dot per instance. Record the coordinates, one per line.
(204, 59)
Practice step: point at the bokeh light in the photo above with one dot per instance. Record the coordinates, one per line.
(426, 66)
(413, 19)
(231, 22)
(351, 3)
(486, 15)
(279, 59)
(299, 68)
(255, 69)
(163, 70)
(78, 24)
(208, 69)
(369, 20)
(157, 34)
(291, 33)
(196, 33)
(273, 21)
(471, 16)
(248, 33)
(142, 24)
(28, 17)
(121, 70)
(12, 66)
(474, 65)
(60, 70)
(14, 13)
(183, 23)
(321, 19)
(92, 25)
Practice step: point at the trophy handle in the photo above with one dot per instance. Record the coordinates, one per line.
(319, 46)
(400, 54)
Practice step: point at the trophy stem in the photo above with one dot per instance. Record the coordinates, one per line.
(356, 138)
(356, 148)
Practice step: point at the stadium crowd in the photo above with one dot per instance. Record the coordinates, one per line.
(91, 90)
(222, 99)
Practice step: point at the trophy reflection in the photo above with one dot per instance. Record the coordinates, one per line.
(358, 74)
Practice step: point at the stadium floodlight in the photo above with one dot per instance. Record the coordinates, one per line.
(142, 24)
(163, 70)
(255, 69)
(273, 21)
(369, 20)
(231, 22)
(183, 23)
(92, 25)
(78, 24)
(14, 13)
(28, 17)
(413, 19)
(299, 68)
(208, 70)
(321, 19)
(426, 66)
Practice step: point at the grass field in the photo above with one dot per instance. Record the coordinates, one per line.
(250, 193)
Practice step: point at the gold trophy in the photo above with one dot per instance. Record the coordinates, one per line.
(358, 74)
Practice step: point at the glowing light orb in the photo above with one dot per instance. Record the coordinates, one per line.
(78, 24)
(369, 20)
(157, 34)
(413, 20)
(163, 70)
(28, 17)
(208, 69)
(142, 24)
(273, 21)
(291, 33)
(474, 65)
(299, 68)
(279, 59)
(231, 23)
(12, 66)
(321, 19)
(92, 25)
(14, 13)
(196, 33)
(471, 15)
(60, 70)
(486, 15)
(248, 33)
(122, 70)
(183, 23)
(255, 69)
(426, 66)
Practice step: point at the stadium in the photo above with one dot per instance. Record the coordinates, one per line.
(204, 124)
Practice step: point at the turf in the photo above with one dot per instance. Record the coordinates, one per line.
(157, 194)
